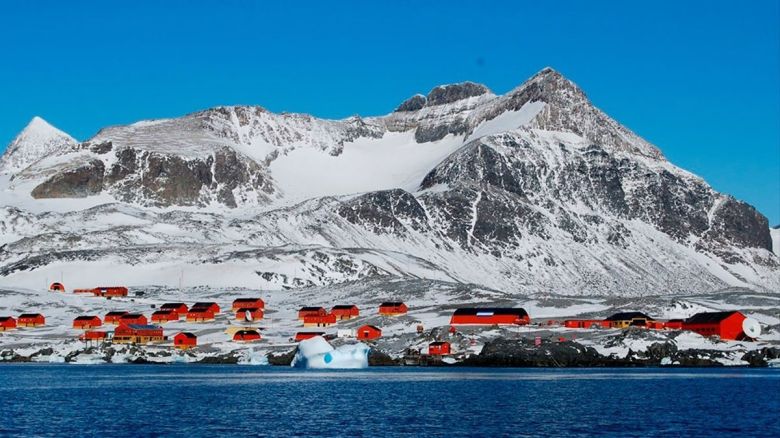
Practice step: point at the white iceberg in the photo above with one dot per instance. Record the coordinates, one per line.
(317, 353)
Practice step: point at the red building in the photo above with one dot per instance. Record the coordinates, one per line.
(311, 311)
(726, 325)
(110, 291)
(178, 308)
(439, 348)
(138, 334)
(84, 291)
(394, 308)
(133, 318)
(302, 336)
(674, 324)
(366, 332)
(200, 315)
(163, 316)
(319, 320)
(246, 336)
(248, 303)
(490, 316)
(586, 323)
(211, 306)
(86, 322)
(93, 335)
(57, 287)
(7, 323)
(114, 317)
(30, 320)
(185, 340)
(345, 311)
(249, 314)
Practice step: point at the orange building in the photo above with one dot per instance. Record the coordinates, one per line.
(394, 308)
(248, 303)
(30, 320)
(367, 332)
(345, 311)
(86, 322)
(439, 348)
(185, 340)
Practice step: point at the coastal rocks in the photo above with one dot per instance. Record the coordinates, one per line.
(524, 353)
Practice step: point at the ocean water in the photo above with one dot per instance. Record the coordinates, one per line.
(229, 400)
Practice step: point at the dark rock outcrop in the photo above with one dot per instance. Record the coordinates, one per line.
(80, 182)
(413, 103)
(444, 94)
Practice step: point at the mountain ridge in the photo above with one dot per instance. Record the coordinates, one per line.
(535, 189)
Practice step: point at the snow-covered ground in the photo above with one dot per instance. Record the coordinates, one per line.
(430, 302)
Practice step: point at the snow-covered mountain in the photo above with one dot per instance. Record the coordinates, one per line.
(532, 191)
(38, 140)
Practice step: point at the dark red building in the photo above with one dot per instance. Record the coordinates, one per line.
(726, 325)
(490, 316)
(248, 303)
(163, 316)
(439, 348)
(200, 315)
(30, 320)
(319, 320)
(7, 323)
(367, 332)
(246, 336)
(393, 308)
(111, 291)
(138, 334)
(302, 336)
(249, 314)
(311, 311)
(211, 306)
(86, 322)
(179, 308)
(345, 311)
(185, 340)
(114, 317)
(133, 318)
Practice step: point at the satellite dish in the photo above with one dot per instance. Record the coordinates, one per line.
(751, 327)
(248, 316)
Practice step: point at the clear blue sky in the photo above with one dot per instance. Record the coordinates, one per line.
(699, 79)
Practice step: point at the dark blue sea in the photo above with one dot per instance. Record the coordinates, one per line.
(229, 400)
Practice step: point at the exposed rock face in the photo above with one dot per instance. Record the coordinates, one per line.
(390, 211)
(451, 93)
(73, 183)
(413, 103)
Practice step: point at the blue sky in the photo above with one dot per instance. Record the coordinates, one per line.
(701, 80)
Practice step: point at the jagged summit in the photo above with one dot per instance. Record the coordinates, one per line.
(37, 140)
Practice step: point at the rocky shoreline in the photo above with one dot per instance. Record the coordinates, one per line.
(500, 352)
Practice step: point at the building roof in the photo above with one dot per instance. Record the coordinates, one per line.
(344, 307)
(246, 300)
(30, 315)
(116, 313)
(391, 304)
(311, 333)
(626, 316)
(163, 311)
(6, 318)
(709, 317)
(132, 315)
(172, 305)
(187, 334)
(144, 327)
(85, 318)
(368, 326)
(489, 311)
(437, 343)
(204, 304)
(311, 308)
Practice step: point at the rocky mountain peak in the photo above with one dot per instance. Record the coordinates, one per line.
(37, 140)
(444, 94)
